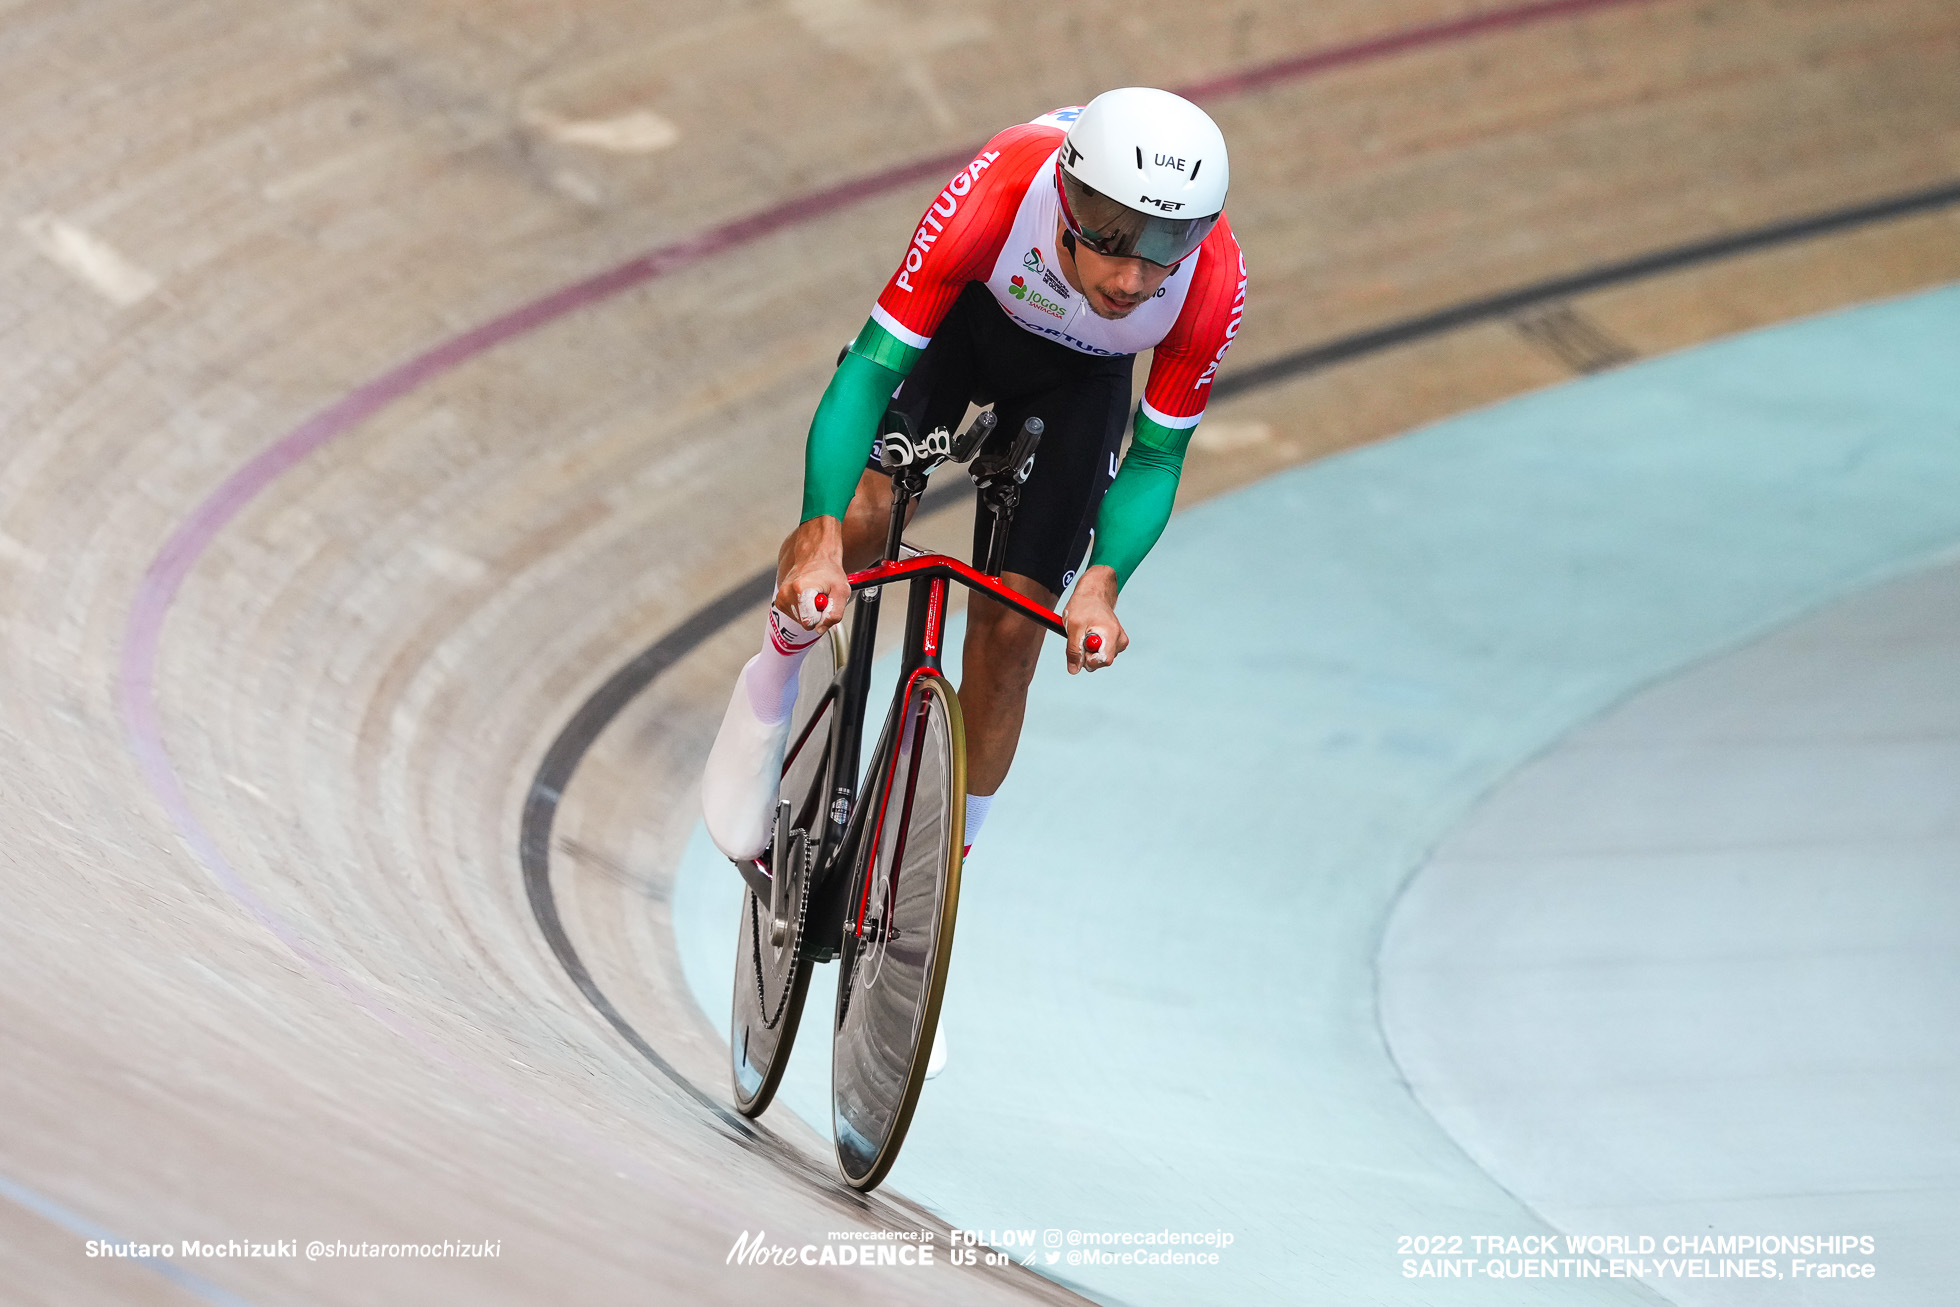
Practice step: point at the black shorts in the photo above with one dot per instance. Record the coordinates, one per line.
(980, 355)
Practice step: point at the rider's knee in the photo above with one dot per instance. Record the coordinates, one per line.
(872, 500)
(866, 519)
(1009, 645)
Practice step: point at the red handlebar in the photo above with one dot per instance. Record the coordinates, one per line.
(1092, 643)
(928, 565)
(822, 601)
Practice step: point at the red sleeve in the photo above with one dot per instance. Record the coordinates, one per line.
(960, 236)
(1186, 361)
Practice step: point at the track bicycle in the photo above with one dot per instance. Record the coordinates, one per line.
(863, 867)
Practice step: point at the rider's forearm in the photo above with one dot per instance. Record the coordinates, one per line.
(847, 419)
(1138, 503)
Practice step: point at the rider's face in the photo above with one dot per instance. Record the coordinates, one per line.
(1113, 287)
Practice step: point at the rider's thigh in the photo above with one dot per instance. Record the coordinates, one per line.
(1002, 641)
(868, 518)
(1020, 584)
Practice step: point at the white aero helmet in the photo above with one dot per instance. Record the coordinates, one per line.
(1142, 175)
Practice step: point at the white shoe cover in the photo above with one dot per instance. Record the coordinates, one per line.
(745, 769)
(936, 1060)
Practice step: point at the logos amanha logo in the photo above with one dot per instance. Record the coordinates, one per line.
(1020, 290)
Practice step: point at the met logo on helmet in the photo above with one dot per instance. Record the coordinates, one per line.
(1167, 206)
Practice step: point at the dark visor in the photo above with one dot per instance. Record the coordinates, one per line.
(1124, 233)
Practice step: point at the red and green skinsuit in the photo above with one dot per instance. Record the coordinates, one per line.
(995, 222)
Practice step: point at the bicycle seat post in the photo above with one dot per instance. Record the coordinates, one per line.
(902, 494)
(909, 460)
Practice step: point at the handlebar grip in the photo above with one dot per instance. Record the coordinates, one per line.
(822, 601)
(1092, 643)
(1021, 461)
(974, 436)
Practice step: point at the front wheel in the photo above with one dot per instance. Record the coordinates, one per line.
(898, 932)
(771, 978)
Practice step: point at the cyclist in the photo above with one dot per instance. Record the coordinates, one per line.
(1069, 244)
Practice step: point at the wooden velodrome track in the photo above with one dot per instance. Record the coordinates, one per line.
(268, 967)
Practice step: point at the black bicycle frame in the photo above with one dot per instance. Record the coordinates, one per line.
(929, 579)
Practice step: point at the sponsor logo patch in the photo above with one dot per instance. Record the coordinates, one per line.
(1020, 290)
(1032, 262)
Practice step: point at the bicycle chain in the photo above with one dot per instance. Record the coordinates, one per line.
(790, 946)
(794, 943)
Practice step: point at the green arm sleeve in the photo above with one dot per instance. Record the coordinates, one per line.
(847, 419)
(1138, 503)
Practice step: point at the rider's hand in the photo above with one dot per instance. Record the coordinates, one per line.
(1093, 608)
(811, 562)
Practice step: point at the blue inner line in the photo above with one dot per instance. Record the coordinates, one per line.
(49, 1210)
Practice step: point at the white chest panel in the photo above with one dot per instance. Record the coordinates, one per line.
(1027, 281)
